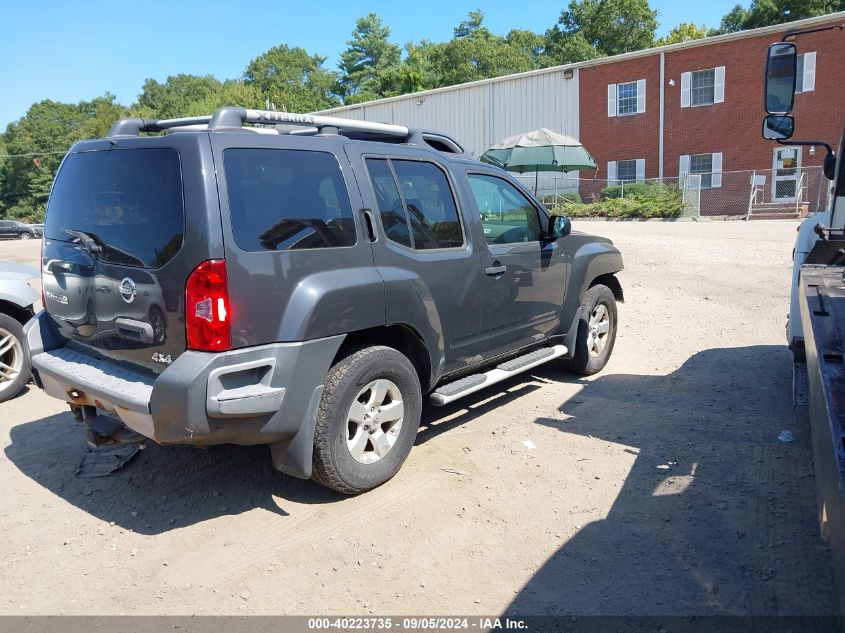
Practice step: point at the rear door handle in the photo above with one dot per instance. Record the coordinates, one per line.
(495, 271)
(370, 221)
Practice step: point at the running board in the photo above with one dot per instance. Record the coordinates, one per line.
(470, 384)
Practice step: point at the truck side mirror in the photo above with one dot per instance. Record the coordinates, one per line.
(560, 227)
(778, 127)
(781, 66)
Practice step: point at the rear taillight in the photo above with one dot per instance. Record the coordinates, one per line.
(207, 314)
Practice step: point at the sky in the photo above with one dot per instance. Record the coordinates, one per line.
(74, 51)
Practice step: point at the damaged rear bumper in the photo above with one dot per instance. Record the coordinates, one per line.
(267, 394)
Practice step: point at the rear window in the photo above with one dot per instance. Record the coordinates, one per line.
(128, 201)
(283, 199)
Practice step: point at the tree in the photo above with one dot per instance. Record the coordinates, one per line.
(371, 66)
(475, 53)
(177, 97)
(684, 32)
(770, 12)
(734, 20)
(593, 28)
(418, 71)
(567, 48)
(37, 143)
(292, 79)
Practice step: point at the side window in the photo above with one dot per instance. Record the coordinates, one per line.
(430, 206)
(283, 199)
(389, 201)
(507, 216)
(420, 211)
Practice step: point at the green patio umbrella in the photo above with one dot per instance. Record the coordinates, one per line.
(540, 150)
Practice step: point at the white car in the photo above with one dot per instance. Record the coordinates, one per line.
(17, 299)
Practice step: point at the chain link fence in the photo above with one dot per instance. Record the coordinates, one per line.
(750, 194)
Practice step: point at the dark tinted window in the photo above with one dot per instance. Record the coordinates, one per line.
(431, 207)
(389, 202)
(429, 218)
(287, 199)
(129, 202)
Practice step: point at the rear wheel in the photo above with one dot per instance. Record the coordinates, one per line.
(14, 364)
(596, 332)
(368, 419)
(157, 323)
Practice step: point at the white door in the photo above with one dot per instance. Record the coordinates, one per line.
(786, 172)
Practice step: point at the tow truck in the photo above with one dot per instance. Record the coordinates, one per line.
(816, 327)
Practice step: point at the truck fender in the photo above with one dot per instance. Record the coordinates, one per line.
(591, 260)
(13, 284)
(321, 305)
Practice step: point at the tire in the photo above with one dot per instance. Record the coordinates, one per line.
(159, 325)
(13, 359)
(26, 235)
(591, 355)
(359, 449)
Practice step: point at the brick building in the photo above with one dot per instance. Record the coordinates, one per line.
(697, 107)
(689, 108)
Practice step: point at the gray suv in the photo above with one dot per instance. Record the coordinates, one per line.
(303, 282)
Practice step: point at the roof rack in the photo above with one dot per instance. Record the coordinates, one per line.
(235, 117)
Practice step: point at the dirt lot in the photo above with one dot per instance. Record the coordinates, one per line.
(475, 522)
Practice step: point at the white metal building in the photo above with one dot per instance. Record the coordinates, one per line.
(482, 113)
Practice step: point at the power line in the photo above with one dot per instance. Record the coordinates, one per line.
(30, 154)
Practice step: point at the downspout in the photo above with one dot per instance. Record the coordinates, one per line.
(660, 134)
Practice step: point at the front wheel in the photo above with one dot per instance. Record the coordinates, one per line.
(26, 236)
(596, 332)
(368, 420)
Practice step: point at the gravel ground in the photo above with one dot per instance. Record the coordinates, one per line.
(657, 487)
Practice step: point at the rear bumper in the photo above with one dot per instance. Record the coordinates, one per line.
(267, 394)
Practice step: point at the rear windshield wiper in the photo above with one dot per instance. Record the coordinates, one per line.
(87, 240)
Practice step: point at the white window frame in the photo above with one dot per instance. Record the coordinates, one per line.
(613, 171)
(718, 87)
(613, 98)
(715, 172)
(806, 68)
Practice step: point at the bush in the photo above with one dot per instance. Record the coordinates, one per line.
(28, 214)
(629, 189)
(642, 200)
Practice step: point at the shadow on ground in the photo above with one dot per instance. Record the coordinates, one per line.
(168, 487)
(728, 528)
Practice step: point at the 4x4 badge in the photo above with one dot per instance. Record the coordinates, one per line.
(127, 290)
(162, 358)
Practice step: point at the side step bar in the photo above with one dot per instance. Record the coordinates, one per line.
(470, 384)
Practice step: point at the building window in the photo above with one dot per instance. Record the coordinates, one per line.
(619, 171)
(805, 73)
(702, 164)
(626, 100)
(703, 87)
(626, 170)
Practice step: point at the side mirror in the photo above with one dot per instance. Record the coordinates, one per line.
(829, 166)
(781, 66)
(777, 127)
(560, 227)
